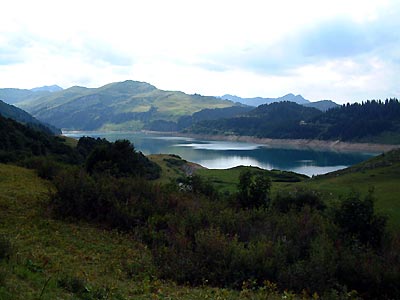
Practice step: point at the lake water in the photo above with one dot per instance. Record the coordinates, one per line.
(225, 154)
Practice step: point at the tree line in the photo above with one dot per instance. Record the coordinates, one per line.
(287, 120)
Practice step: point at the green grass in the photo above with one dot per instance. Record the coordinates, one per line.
(226, 180)
(58, 259)
(380, 174)
(70, 141)
(384, 181)
(169, 172)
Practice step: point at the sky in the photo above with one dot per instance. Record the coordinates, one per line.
(345, 51)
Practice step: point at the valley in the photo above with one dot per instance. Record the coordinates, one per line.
(228, 202)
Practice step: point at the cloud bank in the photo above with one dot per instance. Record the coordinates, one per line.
(341, 50)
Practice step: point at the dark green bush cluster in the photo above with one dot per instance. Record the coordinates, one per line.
(118, 159)
(119, 202)
(5, 248)
(253, 190)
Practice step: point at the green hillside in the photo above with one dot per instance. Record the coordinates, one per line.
(107, 226)
(371, 121)
(19, 115)
(45, 258)
(128, 105)
(380, 174)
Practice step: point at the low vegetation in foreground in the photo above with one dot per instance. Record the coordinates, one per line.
(109, 225)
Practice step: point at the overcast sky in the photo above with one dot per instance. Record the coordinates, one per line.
(341, 50)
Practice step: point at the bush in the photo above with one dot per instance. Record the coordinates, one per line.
(297, 200)
(5, 248)
(119, 202)
(46, 167)
(357, 220)
(253, 189)
(119, 159)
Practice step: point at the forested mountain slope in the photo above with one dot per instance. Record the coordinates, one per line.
(370, 121)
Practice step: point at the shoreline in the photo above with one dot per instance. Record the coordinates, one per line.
(292, 143)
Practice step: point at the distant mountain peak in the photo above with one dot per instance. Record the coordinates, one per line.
(47, 88)
(256, 101)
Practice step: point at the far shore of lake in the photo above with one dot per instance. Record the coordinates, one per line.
(292, 143)
(287, 143)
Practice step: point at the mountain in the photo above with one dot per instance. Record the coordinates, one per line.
(257, 101)
(13, 96)
(322, 105)
(21, 116)
(284, 120)
(369, 122)
(47, 88)
(128, 105)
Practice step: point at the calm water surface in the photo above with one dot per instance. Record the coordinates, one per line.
(224, 154)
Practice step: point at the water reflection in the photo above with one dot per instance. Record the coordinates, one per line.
(224, 154)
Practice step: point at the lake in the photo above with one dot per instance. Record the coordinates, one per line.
(226, 154)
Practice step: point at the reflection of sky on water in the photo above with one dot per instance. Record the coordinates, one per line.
(225, 154)
(221, 146)
(233, 161)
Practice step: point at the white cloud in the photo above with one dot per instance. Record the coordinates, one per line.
(344, 50)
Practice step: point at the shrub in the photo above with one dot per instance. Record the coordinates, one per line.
(119, 159)
(357, 220)
(46, 167)
(297, 200)
(5, 248)
(253, 189)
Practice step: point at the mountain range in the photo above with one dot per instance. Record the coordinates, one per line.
(13, 96)
(134, 105)
(128, 105)
(322, 105)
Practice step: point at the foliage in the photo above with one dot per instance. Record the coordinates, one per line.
(357, 219)
(284, 201)
(18, 142)
(253, 189)
(17, 114)
(5, 247)
(195, 238)
(369, 120)
(120, 159)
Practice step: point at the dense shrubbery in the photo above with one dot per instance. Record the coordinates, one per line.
(198, 237)
(118, 159)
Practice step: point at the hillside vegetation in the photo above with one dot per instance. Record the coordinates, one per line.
(105, 224)
(45, 258)
(128, 105)
(379, 174)
(371, 121)
(19, 115)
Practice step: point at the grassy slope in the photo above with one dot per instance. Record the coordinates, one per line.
(226, 180)
(168, 172)
(116, 98)
(382, 174)
(111, 265)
